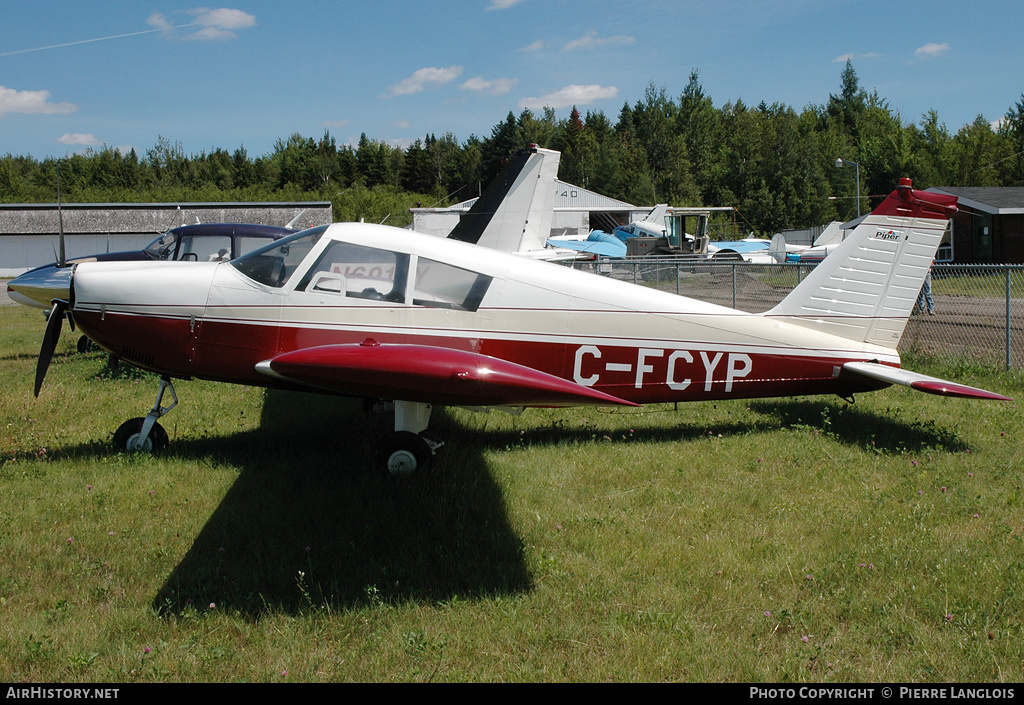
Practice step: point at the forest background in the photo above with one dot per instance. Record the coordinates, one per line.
(775, 165)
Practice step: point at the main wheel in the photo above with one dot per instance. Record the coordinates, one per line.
(404, 453)
(126, 437)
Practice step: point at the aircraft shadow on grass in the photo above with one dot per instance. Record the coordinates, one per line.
(857, 426)
(307, 524)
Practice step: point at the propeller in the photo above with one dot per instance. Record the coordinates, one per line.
(60, 309)
(50, 338)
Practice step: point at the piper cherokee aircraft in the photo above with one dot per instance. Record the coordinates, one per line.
(380, 312)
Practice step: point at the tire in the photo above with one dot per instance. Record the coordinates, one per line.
(404, 454)
(127, 434)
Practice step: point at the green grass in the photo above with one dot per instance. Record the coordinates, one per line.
(786, 540)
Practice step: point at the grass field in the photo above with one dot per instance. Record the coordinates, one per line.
(771, 541)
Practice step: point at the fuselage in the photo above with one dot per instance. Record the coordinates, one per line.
(360, 281)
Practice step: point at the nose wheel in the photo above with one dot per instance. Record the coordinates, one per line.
(128, 437)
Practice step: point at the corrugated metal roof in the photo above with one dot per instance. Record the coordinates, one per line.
(998, 200)
(41, 218)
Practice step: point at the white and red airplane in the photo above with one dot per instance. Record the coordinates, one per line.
(384, 313)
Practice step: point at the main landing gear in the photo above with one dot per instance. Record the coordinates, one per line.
(409, 450)
(145, 435)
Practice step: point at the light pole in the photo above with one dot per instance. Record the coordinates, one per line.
(840, 163)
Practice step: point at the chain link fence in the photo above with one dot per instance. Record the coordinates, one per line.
(978, 315)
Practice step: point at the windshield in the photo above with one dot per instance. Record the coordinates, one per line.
(162, 247)
(274, 264)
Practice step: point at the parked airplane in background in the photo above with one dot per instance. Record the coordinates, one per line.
(205, 242)
(384, 313)
(826, 242)
(750, 249)
(602, 244)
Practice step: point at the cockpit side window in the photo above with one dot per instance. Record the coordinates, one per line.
(440, 285)
(359, 272)
(274, 264)
(205, 248)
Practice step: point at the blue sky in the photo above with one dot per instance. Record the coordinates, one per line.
(78, 74)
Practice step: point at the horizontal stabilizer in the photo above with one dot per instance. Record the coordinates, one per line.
(428, 374)
(920, 382)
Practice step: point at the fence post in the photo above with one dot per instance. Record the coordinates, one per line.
(1007, 270)
(734, 285)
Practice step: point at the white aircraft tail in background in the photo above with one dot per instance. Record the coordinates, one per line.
(515, 210)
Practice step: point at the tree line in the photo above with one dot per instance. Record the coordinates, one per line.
(775, 165)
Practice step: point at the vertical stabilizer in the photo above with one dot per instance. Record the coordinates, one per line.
(515, 210)
(866, 289)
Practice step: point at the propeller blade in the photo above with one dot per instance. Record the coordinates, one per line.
(50, 338)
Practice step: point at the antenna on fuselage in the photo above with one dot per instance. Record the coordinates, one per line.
(62, 260)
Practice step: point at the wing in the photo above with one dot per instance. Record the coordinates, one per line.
(428, 374)
(920, 382)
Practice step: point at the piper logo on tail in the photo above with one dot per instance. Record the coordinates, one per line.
(887, 235)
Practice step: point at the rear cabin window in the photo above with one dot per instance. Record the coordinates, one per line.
(440, 285)
(359, 272)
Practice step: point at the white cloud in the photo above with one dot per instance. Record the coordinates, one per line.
(334, 123)
(931, 50)
(570, 96)
(80, 138)
(591, 41)
(212, 25)
(159, 21)
(502, 4)
(401, 124)
(221, 23)
(429, 77)
(535, 46)
(31, 103)
(499, 86)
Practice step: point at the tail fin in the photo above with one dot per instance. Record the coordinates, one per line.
(866, 289)
(515, 210)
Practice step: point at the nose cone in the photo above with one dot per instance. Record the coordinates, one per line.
(39, 287)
